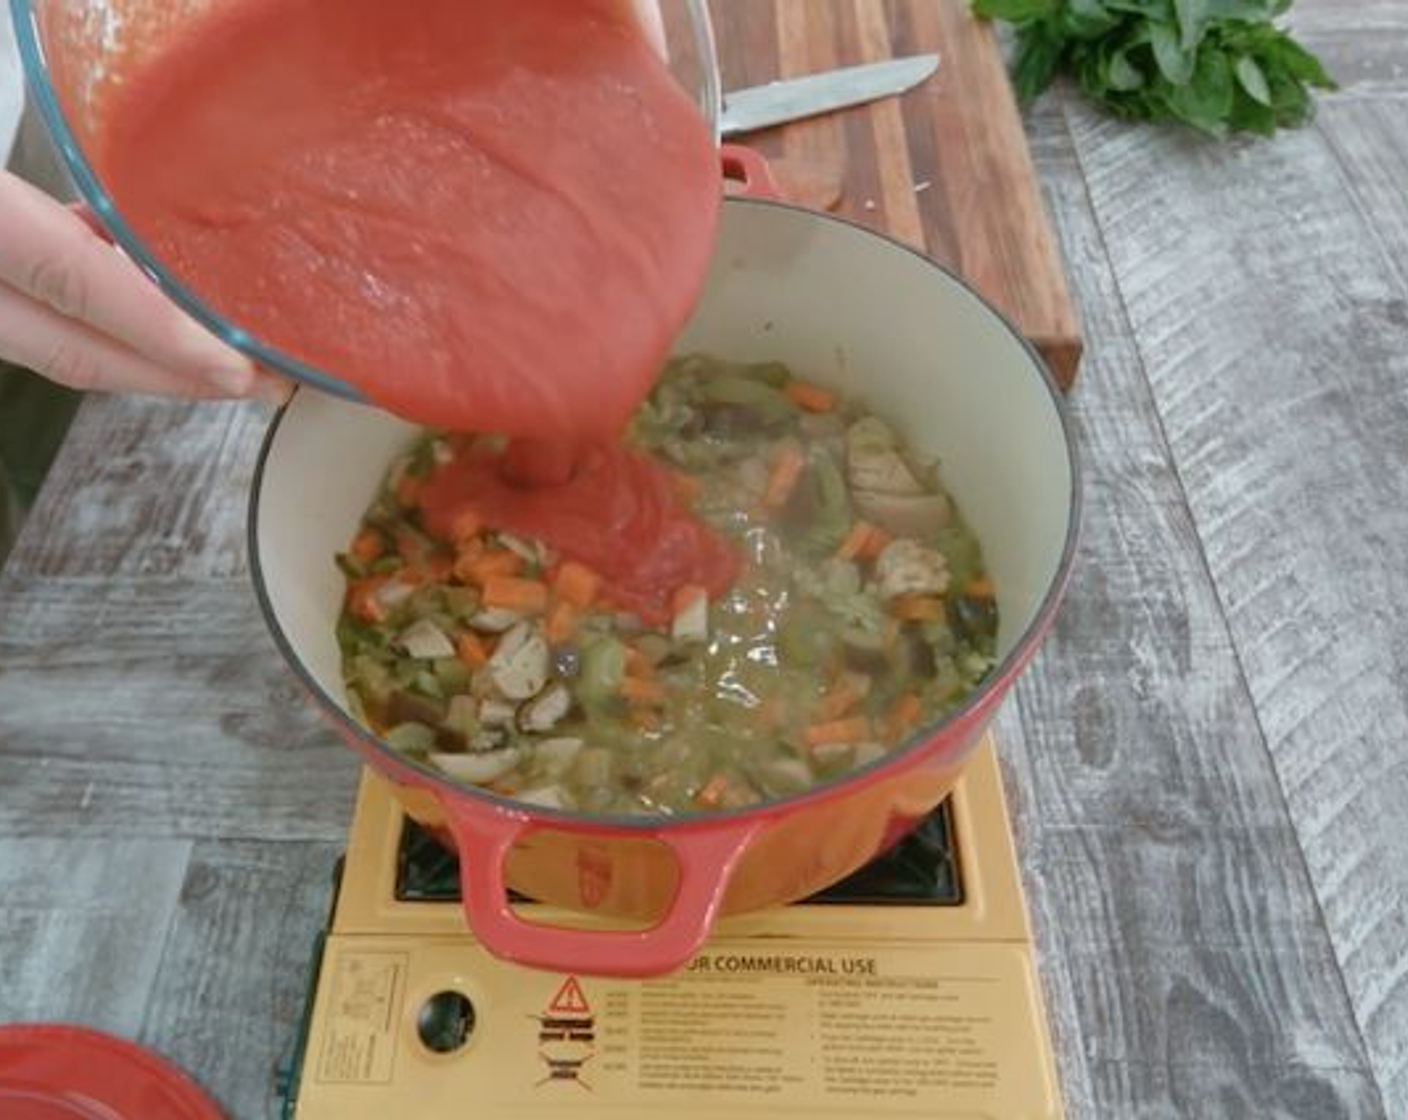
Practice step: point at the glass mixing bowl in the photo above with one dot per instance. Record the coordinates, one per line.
(73, 50)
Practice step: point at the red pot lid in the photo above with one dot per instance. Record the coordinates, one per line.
(71, 1073)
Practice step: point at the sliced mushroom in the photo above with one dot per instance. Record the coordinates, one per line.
(833, 755)
(866, 753)
(545, 711)
(425, 641)
(518, 545)
(487, 740)
(496, 713)
(520, 665)
(463, 715)
(691, 624)
(786, 775)
(556, 755)
(879, 471)
(546, 797)
(406, 706)
(495, 620)
(874, 463)
(477, 768)
(904, 515)
(906, 567)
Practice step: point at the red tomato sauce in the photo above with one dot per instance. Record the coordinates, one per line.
(488, 215)
(619, 513)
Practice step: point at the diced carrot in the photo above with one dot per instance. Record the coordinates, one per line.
(917, 608)
(409, 547)
(368, 545)
(904, 715)
(855, 729)
(837, 700)
(686, 486)
(500, 562)
(526, 595)
(408, 491)
(980, 588)
(470, 649)
(639, 691)
(466, 527)
(562, 622)
(576, 584)
(711, 793)
(812, 398)
(875, 544)
(362, 599)
(464, 566)
(856, 541)
(638, 666)
(645, 719)
(684, 597)
(437, 568)
(784, 476)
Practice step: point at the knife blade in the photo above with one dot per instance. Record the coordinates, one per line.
(792, 99)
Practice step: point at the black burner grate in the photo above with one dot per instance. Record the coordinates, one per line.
(921, 870)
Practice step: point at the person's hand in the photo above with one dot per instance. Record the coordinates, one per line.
(75, 310)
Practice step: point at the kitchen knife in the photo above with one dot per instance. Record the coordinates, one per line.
(791, 99)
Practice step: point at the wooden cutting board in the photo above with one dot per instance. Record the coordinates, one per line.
(945, 167)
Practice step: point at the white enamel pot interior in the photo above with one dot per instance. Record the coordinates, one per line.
(839, 305)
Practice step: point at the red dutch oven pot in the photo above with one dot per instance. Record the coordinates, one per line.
(845, 307)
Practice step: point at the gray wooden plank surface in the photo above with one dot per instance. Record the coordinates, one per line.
(82, 927)
(160, 490)
(1162, 868)
(1270, 319)
(230, 990)
(1364, 43)
(162, 705)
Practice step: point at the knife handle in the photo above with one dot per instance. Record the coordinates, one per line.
(747, 172)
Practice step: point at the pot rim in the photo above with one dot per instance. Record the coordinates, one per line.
(993, 688)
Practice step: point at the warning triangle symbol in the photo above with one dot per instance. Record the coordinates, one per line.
(570, 999)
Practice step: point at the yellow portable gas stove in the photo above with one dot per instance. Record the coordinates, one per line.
(908, 989)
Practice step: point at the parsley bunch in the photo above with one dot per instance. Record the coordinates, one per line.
(1217, 65)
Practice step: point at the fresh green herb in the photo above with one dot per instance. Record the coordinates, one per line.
(1219, 66)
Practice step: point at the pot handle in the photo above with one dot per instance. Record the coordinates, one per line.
(747, 168)
(706, 859)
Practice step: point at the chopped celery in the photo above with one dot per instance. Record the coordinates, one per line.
(411, 738)
(603, 669)
(828, 517)
(807, 637)
(461, 602)
(767, 403)
(770, 373)
(453, 674)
